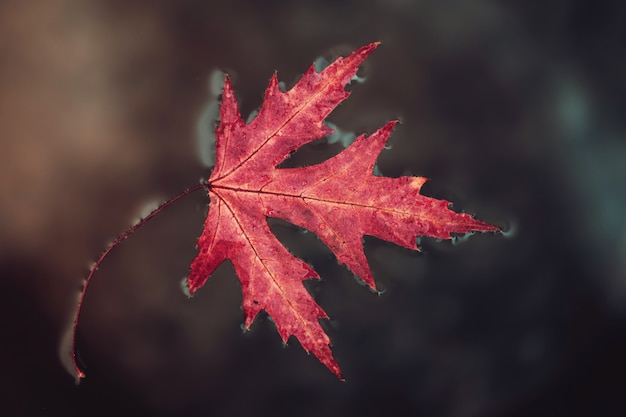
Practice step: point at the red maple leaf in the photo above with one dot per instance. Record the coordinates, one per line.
(340, 200)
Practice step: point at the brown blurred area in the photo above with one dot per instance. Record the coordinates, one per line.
(515, 110)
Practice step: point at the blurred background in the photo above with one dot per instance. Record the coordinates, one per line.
(514, 110)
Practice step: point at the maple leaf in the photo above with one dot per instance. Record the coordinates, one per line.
(339, 200)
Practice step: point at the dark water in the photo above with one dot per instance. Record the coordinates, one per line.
(514, 110)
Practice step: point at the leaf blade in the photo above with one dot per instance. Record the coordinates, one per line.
(340, 200)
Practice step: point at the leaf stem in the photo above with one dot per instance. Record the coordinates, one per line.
(79, 372)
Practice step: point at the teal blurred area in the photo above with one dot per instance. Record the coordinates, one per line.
(514, 110)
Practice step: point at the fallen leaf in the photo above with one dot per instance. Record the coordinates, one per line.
(340, 200)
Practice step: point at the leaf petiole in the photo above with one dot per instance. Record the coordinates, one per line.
(79, 372)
